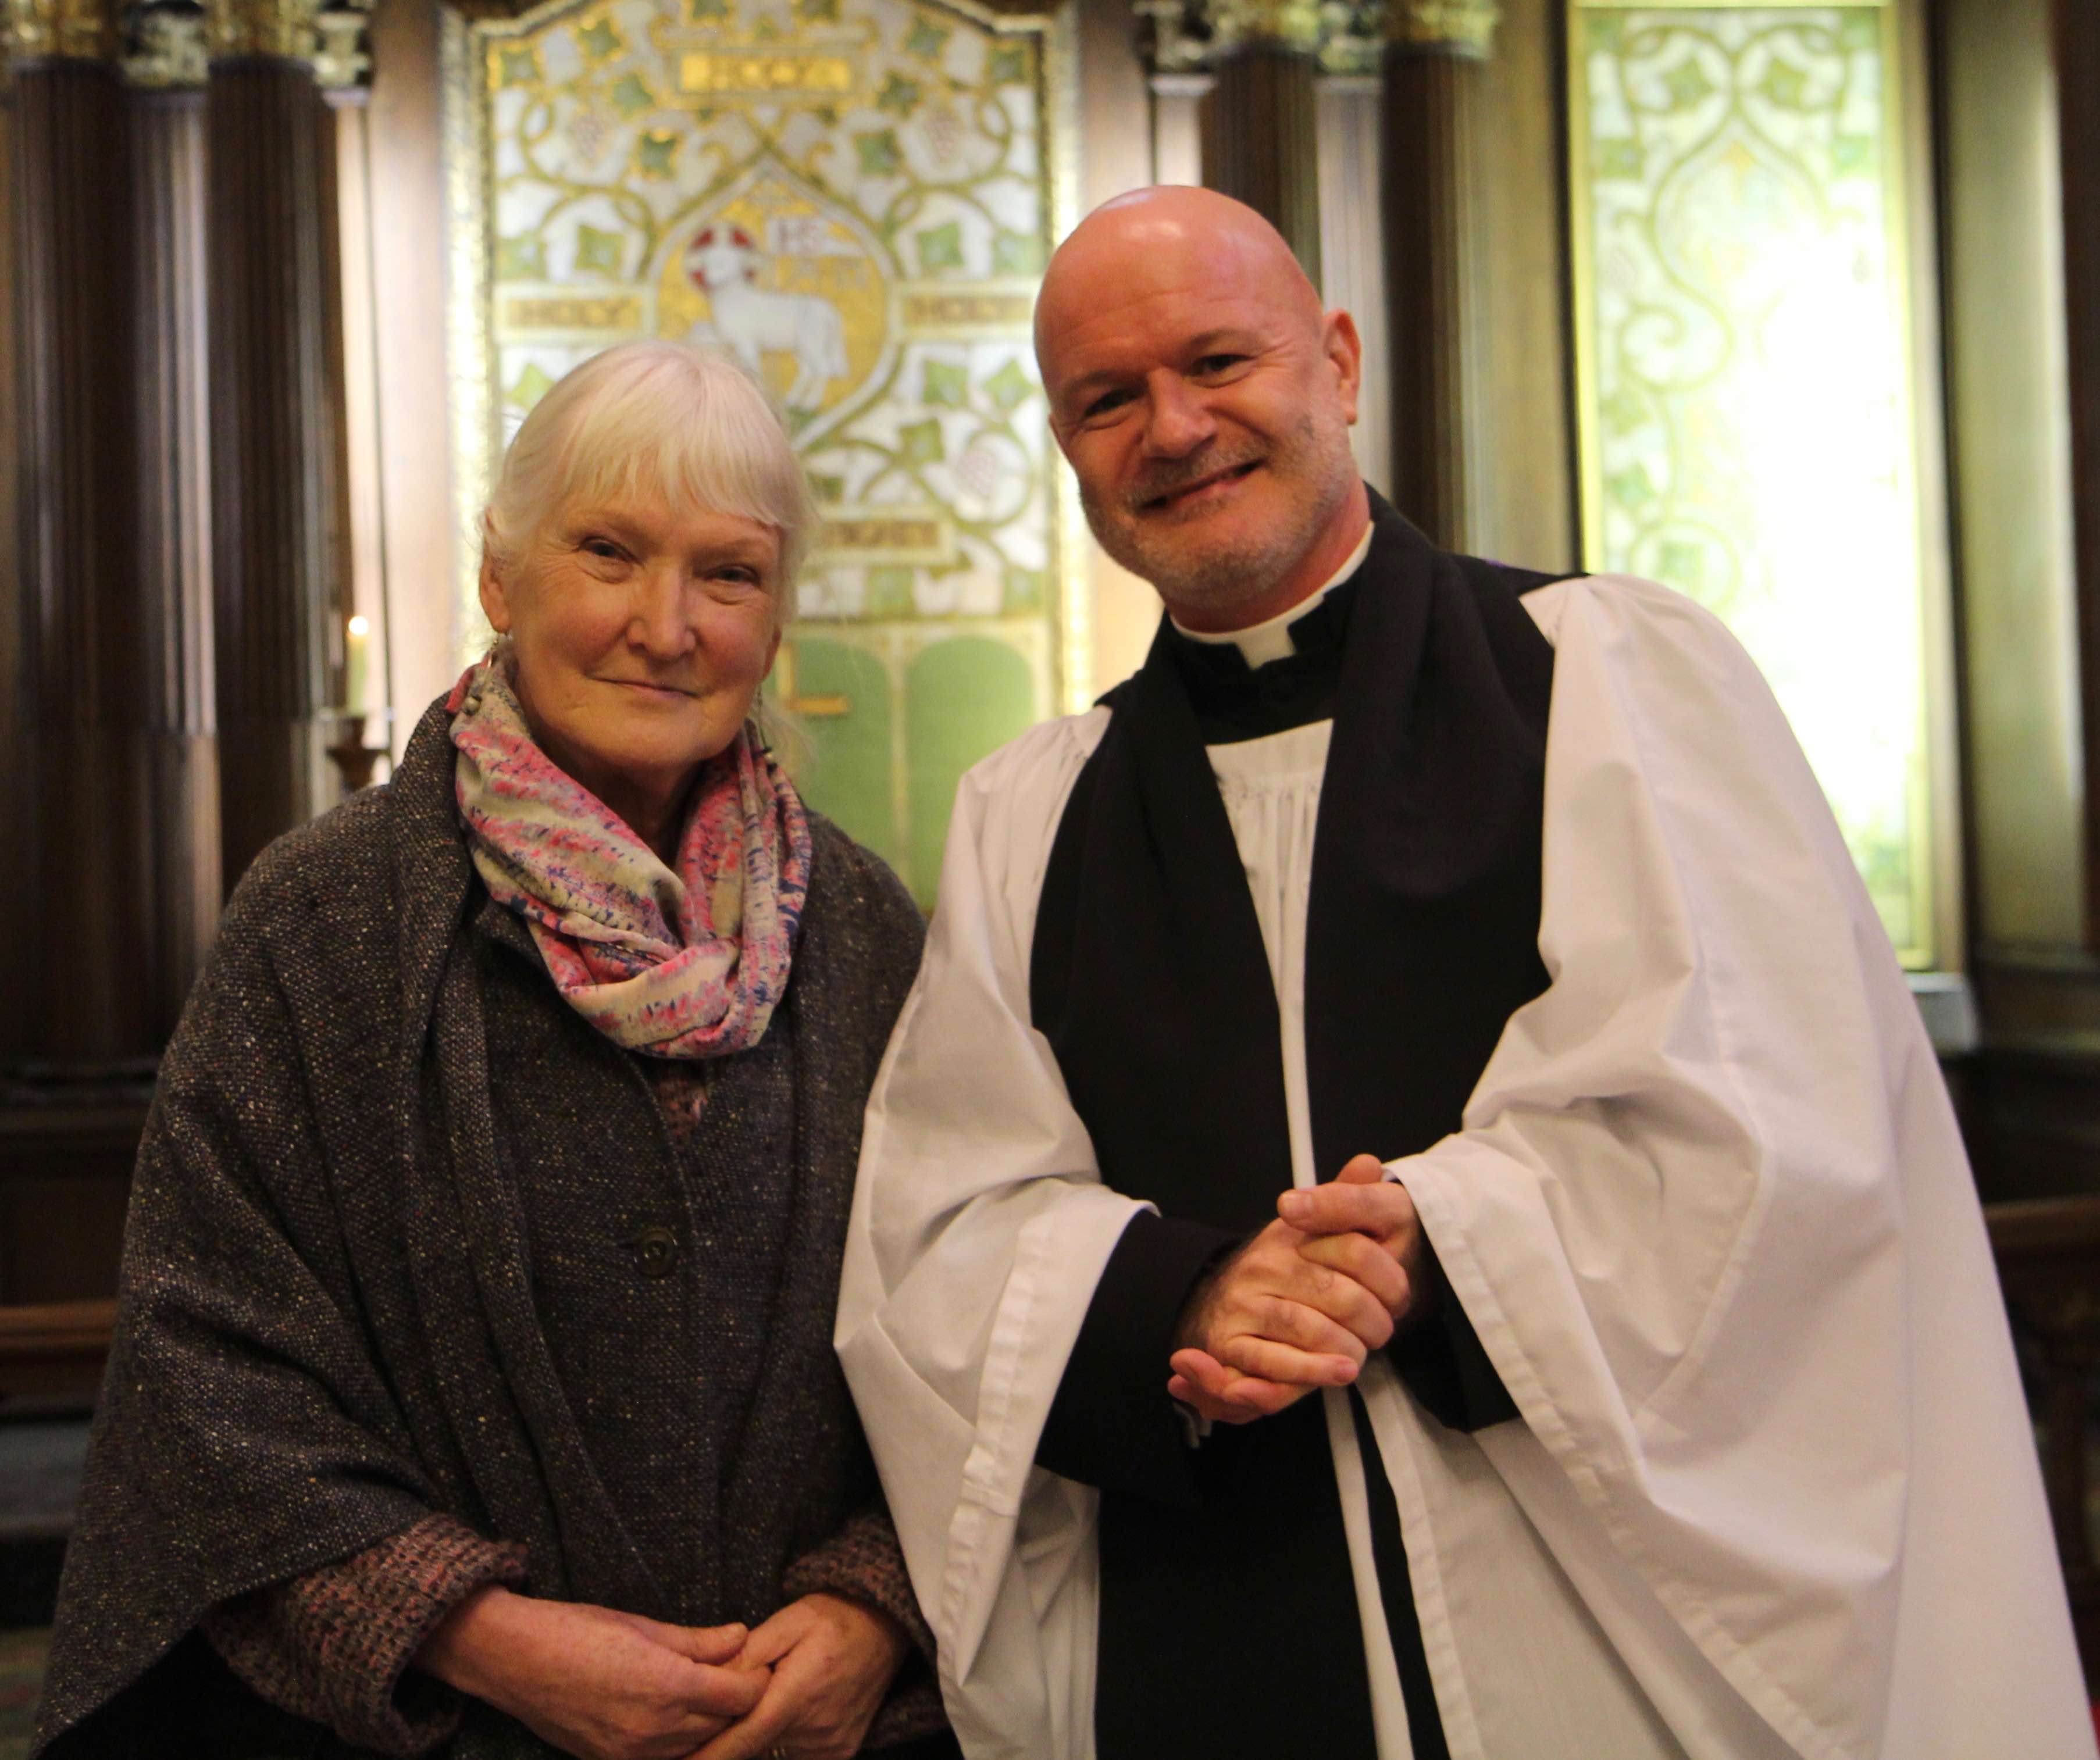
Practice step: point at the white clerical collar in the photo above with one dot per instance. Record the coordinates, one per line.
(1271, 641)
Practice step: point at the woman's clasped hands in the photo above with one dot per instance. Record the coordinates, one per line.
(604, 1685)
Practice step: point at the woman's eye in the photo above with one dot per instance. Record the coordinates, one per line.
(602, 547)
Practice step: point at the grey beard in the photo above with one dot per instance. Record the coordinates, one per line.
(1217, 577)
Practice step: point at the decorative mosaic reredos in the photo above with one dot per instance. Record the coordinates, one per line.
(849, 195)
(857, 198)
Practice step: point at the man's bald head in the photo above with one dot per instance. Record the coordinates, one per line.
(1154, 235)
(1203, 400)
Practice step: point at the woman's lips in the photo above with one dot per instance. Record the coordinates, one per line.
(654, 691)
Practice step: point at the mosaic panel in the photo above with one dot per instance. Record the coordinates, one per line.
(1746, 414)
(855, 198)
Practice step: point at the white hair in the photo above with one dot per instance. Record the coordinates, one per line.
(665, 418)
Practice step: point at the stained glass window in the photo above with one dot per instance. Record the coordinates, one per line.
(857, 198)
(1745, 413)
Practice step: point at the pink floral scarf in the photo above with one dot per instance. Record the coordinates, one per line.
(689, 965)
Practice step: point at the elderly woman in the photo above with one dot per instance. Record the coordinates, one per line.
(473, 1392)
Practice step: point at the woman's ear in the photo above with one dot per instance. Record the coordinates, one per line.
(495, 598)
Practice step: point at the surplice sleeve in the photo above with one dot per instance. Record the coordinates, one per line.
(1675, 1214)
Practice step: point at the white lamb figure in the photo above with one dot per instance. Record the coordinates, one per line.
(724, 263)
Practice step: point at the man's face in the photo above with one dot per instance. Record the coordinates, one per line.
(1205, 407)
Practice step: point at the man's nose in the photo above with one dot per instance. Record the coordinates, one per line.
(657, 623)
(1177, 421)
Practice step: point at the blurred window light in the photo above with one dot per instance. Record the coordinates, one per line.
(1746, 411)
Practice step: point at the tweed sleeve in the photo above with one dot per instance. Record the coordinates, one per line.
(335, 1644)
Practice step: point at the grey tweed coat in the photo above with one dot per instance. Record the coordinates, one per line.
(397, 1244)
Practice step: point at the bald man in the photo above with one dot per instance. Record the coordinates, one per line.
(1410, 1211)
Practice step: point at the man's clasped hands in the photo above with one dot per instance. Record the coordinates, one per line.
(1303, 1302)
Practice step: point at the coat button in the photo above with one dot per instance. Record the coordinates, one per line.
(655, 1252)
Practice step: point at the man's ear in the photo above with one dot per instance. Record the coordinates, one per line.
(495, 596)
(1344, 350)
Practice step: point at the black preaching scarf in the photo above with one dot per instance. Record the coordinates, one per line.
(1150, 979)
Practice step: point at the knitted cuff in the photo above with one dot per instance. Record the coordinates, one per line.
(335, 1644)
(863, 1561)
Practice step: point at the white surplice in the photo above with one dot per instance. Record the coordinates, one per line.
(1773, 1490)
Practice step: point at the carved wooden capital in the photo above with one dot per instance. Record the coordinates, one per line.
(75, 30)
(284, 29)
(1444, 27)
(1192, 36)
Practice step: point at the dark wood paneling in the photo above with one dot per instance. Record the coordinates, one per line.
(66, 1157)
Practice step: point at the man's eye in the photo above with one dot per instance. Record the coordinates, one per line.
(1106, 404)
(1211, 365)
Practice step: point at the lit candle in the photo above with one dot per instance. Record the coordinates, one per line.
(356, 633)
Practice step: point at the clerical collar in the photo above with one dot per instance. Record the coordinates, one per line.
(1273, 639)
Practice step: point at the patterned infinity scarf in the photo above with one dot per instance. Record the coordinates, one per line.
(689, 965)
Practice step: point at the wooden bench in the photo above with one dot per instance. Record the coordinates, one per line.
(54, 1349)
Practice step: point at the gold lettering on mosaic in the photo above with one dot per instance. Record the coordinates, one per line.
(852, 536)
(618, 312)
(966, 311)
(769, 73)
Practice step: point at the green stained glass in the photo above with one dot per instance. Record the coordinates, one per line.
(817, 11)
(899, 96)
(963, 698)
(878, 154)
(600, 40)
(520, 259)
(655, 151)
(528, 388)
(947, 384)
(1026, 591)
(1689, 85)
(1855, 155)
(1786, 86)
(707, 11)
(1747, 418)
(940, 247)
(1009, 386)
(1618, 158)
(1008, 66)
(925, 39)
(827, 490)
(517, 67)
(599, 250)
(631, 95)
(889, 592)
(920, 442)
(849, 774)
(1016, 253)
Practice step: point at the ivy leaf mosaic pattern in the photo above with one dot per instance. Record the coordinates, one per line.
(853, 197)
(1748, 432)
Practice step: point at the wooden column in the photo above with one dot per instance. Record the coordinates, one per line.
(84, 838)
(1261, 140)
(173, 449)
(2077, 67)
(1433, 56)
(278, 523)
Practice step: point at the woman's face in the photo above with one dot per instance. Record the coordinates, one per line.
(641, 633)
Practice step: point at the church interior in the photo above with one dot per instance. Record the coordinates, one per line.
(1792, 306)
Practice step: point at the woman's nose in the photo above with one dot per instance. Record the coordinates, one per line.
(1177, 421)
(658, 623)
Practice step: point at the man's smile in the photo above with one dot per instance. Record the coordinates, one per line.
(1213, 485)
